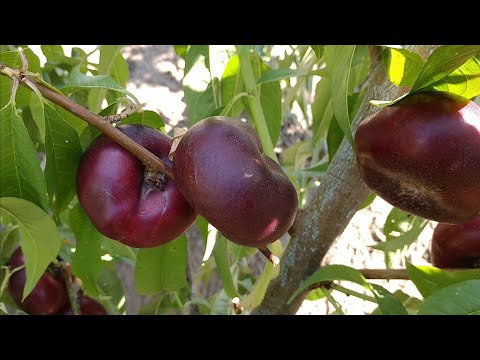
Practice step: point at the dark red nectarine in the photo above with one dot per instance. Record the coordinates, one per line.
(456, 246)
(422, 155)
(119, 198)
(46, 298)
(221, 170)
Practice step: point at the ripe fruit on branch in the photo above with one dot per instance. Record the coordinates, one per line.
(221, 170)
(46, 298)
(123, 201)
(422, 155)
(456, 246)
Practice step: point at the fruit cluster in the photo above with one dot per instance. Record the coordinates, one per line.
(422, 155)
(220, 172)
(49, 296)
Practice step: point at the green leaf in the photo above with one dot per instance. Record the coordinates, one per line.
(359, 69)
(402, 66)
(406, 237)
(271, 101)
(111, 289)
(430, 279)
(297, 154)
(442, 62)
(21, 176)
(118, 250)
(315, 294)
(39, 237)
(220, 254)
(318, 49)
(55, 55)
(77, 81)
(163, 267)
(74, 121)
(112, 64)
(457, 299)
(330, 273)
(86, 261)
(196, 84)
(147, 118)
(255, 297)
(368, 200)
(37, 110)
(319, 108)
(464, 81)
(276, 75)
(339, 61)
(63, 152)
(231, 86)
(387, 302)
(31, 126)
(181, 50)
(12, 59)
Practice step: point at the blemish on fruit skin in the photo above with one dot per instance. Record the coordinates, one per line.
(106, 192)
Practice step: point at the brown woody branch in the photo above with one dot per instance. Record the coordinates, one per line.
(145, 156)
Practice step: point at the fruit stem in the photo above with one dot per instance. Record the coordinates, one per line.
(71, 290)
(145, 156)
(268, 254)
(254, 101)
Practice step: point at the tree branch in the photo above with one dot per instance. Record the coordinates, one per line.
(337, 199)
(145, 156)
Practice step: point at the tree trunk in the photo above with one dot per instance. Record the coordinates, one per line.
(338, 198)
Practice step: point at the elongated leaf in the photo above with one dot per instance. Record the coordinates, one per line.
(74, 121)
(319, 105)
(147, 118)
(231, 87)
(38, 114)
(21, 176)
(442, 62)
(12, 59)
(339, 60)
(403, 66)
(270, 99)
(196, 84)
(405, 238)
(387, 302)
(40, 241)
(220, 254)
(329, 273)
(107, 66)
(457, 299)
(318, 49)
(464, 81)
(255, 297)
(280, 74)
(359, 69)
(430, 279)
(163, 267)
(77, 81)
(56, 56)
(63, 152)
(181, 50)
(86, 261)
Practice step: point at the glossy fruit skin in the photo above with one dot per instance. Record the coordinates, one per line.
(121, 203)
(220, 168)
(422, 155)
(46, 298)
(456, 246)
(88, 306)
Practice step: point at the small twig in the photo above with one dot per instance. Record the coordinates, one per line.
(149, 159)
(72, 291)
(332, 300)
(179, 303)
(268, 254)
